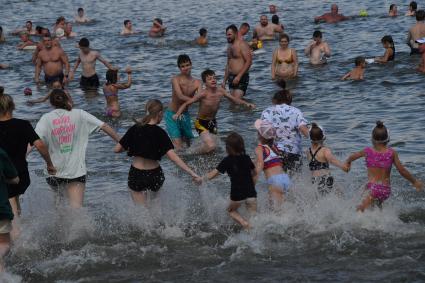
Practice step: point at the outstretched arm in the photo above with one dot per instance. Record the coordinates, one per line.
(238, 100)
(129, 81)
(104, 62)
(259, 162)
(334, 161)
(406, 174)
(172, 155)
(346, 76)
(110, 132)
(354, 157)
(178, 91)
(77, 63)
(186, 104)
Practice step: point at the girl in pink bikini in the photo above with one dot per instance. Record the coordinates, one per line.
(379, 160)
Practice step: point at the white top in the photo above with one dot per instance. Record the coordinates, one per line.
(66, 134)
(287, 120)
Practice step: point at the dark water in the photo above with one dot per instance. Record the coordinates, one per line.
(186, 236)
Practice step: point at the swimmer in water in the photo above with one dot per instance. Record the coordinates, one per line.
(4, 66)
(243, 30)
(60, 24)
(284, 61)
(393, 11)
(388, 44)
(27, 29)
(332, 17)
(421, 48)
(379, 160)
(128, 28)
(411, 12)
(318, 50)
(242, 175)
(272, 9)
(81, 17)
(110, 90)
(265, 30)
(357, 73)
(202, 40)
(68, 30)
(269, 161)
(157, 29)
(25, 41)
(2, 38)
(55, 85)
(416, 32)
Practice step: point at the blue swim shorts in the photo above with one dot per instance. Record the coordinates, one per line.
(282, 181)
(181, 128)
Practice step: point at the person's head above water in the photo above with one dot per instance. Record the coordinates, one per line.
(203, 32)
(154, 111)
(207, 75)
(111, 77)
(231, 33)
(264, 21)
(28, 25)
(60, 100)
(380, 134)
(183, 60)
(387, 40)
(244, 28)
(275, 19)
(84, 45)
(393, 7)
(80, 12)
(359, 61)
(60, 20)
(317, 36)
(127, 24)
(420, 15)
(282, 96)
(334, 9)
(157, 21)
(6, 103)
(316, 133)
(235, 144)
(272, 9)
(413, 6)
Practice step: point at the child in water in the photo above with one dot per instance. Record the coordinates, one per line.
(319, 157)
(269, 161)
(54, 85)
(242, 174)
(388, 44)
(110, 90)
(379, 160)
(358, 72)
(202, 40)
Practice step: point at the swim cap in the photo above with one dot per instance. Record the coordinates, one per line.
(27, 91)
(363, 13)
(265, 129)
(60, 32)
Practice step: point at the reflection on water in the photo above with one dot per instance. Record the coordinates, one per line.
(186, 235)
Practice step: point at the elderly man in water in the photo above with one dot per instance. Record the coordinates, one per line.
(265, 30)
(332, 17)
(157, 29)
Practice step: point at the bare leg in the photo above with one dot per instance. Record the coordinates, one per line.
(139, 197)
(4, 248)
(233, 212)
(208, 143)
(237, 93)
(276, 197)
(178, 143)
(75, 191)
(16, 209)
(366, 203)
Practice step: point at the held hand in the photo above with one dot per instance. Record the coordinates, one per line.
(236, 81)
(346, 168)
(197, 180)
(51, 170)
(250, 105)
(176, 117)
(418, 185)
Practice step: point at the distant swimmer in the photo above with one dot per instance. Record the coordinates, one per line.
(284, 60)
(4, 66)
(265, 30)
(416, 32)
(239, 60)
(318, 50)
(81, 17)
(88, 58)
(110, 90)
(28, 29)
(60, 24)
(52, 60)
(379, 160)
(272, 9)
(393, 11)
(202, 40)
(389, 55)
(243, 30)
(276, 21)
(2, 38)
(358, 72)
(128, 28)
(68, 31)
(332, 17)
(421, 42)
(157, 29)
(411, 12)
(26, 42)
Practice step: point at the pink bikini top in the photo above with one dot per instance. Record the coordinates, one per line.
(379, 159)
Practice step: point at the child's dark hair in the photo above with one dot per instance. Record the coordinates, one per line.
(388, 39)
(413, 5)
(158, 20)
(275, 19)
(283, 96)
(207, 73)
(391, 7)
(420, 15)
(203, 32)
(60, 100)
(317, 33)
(380, 133)
(316, 133)
(359, 60)
(183, 58)
(111, 77)
(235, 144)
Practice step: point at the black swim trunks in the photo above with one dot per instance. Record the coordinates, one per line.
(414, 51)
(57, 78)
(324, 184)
(202, 125)
(21, 187)
(291, 162)
(243, 83)
(56, 182)
(89, 83)
(145, 180)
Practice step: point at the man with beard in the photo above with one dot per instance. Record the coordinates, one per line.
(239, 60)
(265, 30)
(52, 59)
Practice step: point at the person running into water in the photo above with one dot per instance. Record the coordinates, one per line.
(388, 44)
(284, 60)
(319, 157)
(379, 160)
(147, 143)
(202, 40)
(184, 87)
(242, 175)
(318, 50)
(110, 90)
(210, 98)
(269, 161)
(357, 73)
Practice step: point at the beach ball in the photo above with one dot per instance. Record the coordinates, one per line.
(27, 91)
(363, 13)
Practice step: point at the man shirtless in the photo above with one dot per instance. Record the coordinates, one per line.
(209, 103)
(157, 29)
(416, 32)
(41, 46)
(81, 18)
(128, 28)
(318, 50)
(332, 17)
(87, 58)
(184, 87)
(25, 41)
(265, 30)
(27, 29)
(52, 60)
(239, 60)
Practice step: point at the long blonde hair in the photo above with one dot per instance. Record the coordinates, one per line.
(153, 108)
(6, 102)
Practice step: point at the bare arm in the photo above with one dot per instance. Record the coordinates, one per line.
(327, 50)
(37, 70)
(128, 83)
(41, 147)
(318, 19)
(13, 181)
(118, 148)
(355, 156)
(212, 174)
(77, 63)
(187, 103)
(226, 71)
(384, 59)
(307, 50)
(110, 132)
(346, 76)
(247, 56)
(334, 161)
(65, 61)
(259, 162)
(172, 155)
(304, 130)
(274, 59)
(104, 62)
(237, 100)
(295, 59)
(178, 91)
(406, 174)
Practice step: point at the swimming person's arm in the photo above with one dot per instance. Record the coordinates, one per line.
(327, 50)
(346, 76)
(307, 50)
(334, 161)
(384, 59)
(406, 174)
(129, 81)
(65, 61)
(237, 100)
(172, 155)
(110, 132)
(274, 60)
(77, 63)
(259, 162)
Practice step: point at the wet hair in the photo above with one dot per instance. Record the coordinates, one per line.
(235, 144)
(316, 133)
(413, 5)
(420, 15)
(59, 99)
(233, 28)
(283, 96)
(158, 20)
(284, 35)
(84, 42)
(275, 19)
(317, 33)
(39, 29)
(392, 7)
(183, 58)
(380, 133)
(6, 102)
(80, 10)
(111, 76)
(245, 25)
(359, 60)
(202, 31)
(126, 22)
(207, 73)
(388, 39)
(153, 108)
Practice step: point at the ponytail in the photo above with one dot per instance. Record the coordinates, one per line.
(153, 108)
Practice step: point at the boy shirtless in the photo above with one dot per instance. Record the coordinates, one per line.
(157, 29)
(184, 88)
(202, 40)
(421, 49)
(210, 99)
(318, 49)
(87, 58)
(358, 72)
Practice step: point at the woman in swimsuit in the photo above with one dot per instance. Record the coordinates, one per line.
(285, 60)
(388, 44)
(110, 90)
(379, 160)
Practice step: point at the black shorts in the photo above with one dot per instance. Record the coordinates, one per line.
(291, 162)
(57, 78)
(21, 187)
(202, 125)
(145, 180)
(243, 83)
(240, 194)
(56, 182)
(91, 82)
(325, 184)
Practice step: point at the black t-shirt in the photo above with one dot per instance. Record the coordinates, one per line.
(15, 135)
(147, 141)
(239, 168)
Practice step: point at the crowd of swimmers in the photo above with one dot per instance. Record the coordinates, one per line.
(61, 135)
